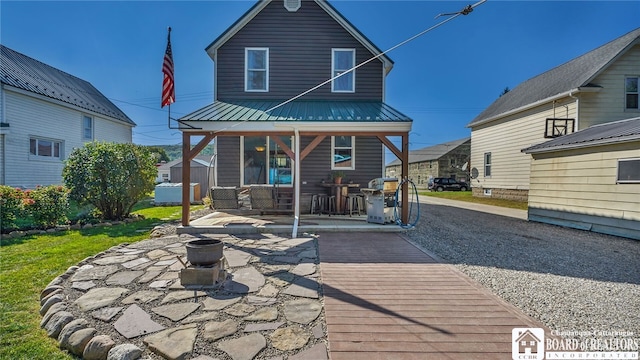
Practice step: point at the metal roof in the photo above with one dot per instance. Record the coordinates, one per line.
(431, 152)
(603, 134)
(569, 76)
(299, 110)
(23, 72)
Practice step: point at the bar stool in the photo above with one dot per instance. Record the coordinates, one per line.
(315, 204)
(331, 204)
(355, 203)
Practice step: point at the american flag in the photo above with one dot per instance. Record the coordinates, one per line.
(168, 86)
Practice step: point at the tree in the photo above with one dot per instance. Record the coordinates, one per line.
(506, 90)
(159, 153)
(112, 177)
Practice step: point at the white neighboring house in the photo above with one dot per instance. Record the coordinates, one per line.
(44, 114)
(598, 87)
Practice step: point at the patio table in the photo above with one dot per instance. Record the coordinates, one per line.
(340, 191)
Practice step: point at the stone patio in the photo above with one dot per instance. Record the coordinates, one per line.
(128, 303)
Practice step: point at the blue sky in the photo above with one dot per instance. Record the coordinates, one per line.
(442, 79)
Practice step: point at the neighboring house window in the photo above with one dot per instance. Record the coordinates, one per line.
(87, 127)
(487, 164)
(45, 148)
(256, 62)
(628, 171)
(631, 92)
(342, 148)
(341, 61)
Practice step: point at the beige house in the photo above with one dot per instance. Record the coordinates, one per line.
(598, 87)
(448, 160)
(589, 179)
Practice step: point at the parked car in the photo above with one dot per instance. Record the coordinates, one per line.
(442, 184)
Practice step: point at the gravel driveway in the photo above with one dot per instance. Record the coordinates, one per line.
(570, 280)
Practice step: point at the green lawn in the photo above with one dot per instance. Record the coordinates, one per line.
(29, 263)
(466, 196)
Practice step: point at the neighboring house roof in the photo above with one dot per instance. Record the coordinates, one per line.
(202, 160)
(602, 134)
(255, 9)
(559, 81)
(299, 110)
(23, 72)
(431, 152)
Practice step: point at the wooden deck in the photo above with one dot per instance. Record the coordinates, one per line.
(386, 299)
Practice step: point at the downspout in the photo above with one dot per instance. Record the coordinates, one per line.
(296, 183)
(576, 123)
(4, 138)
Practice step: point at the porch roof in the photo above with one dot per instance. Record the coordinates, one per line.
(299, 110)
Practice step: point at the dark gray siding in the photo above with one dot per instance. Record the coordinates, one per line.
(300, 46)
(317, 165)
(314, 168)
(228, 160)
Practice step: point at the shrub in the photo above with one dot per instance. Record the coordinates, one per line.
(112, 177)
(10, 206)
(47, 205)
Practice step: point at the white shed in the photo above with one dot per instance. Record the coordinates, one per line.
(589, 179)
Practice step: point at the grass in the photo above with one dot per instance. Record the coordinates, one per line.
(29, 263)
(467, 196)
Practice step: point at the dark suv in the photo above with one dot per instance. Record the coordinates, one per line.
(442, 184)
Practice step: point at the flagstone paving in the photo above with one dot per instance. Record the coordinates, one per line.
(128, 303)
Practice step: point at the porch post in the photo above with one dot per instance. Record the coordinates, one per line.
(405, 176)
(186, 177)
(296, 183)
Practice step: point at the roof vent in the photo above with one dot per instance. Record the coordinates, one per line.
(292, 5)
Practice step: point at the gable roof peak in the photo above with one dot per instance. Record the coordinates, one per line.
(324, 4)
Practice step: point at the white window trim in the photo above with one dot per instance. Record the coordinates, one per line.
(627, 92)
(353, 154)
(632, 181)
(246, 69)
(42, 157)
(489, 164)
(333, 70)
(92, 128)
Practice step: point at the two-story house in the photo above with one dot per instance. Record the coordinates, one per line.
(44, 114)
(265, 133)
(598, 87)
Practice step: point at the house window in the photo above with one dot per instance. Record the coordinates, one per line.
(45, 148)
(631, 93)
(256, 62)
(265, 162)
(343, 60)
(87, 127)
(487, 164)
(628, 171)
(342, 148)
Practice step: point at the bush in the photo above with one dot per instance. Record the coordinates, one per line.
(47, 205)
(112, 177)
(10, 206)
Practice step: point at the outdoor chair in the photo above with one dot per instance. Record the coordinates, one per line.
(224, 197)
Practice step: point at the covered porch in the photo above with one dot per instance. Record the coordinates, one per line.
(313, 121)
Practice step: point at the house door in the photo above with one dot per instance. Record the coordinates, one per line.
(264, 162)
